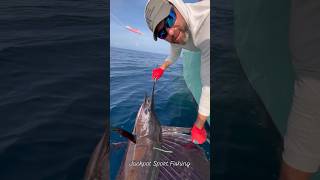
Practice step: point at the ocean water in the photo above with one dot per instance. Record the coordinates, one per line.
(246, 143)
(130, 79)
(53, 90)
(54, 94)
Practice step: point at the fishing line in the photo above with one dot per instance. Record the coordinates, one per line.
(117, 20)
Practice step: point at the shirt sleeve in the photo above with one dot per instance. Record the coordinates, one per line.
(175, 52)
(204, 104)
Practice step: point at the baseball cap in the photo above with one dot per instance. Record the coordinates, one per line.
(155, 12)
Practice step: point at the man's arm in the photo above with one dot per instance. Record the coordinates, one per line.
(201, 120)
(198, 132)
(166, 64)
(175, 52)
(174, 55)
(204, 103)
(204, 107)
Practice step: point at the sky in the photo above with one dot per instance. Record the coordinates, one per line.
(131, 13)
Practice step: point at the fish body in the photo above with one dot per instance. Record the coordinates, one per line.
(139, 158)
(98, 166)
(154, 152)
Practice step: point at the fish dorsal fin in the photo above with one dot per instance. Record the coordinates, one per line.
(182, 130)
(180, 157)
(125, 134)
(173, 129)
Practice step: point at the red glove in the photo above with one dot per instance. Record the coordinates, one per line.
(198, 136)
(157, 73)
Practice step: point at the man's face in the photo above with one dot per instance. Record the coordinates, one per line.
(178, 33)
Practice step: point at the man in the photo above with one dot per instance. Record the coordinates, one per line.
(301, 156)
(184, 26)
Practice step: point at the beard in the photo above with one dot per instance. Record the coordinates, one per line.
(186, 35)
(186, 38)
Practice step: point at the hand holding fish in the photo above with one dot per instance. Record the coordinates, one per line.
(198, 136)
(198, 132)
(157, 73)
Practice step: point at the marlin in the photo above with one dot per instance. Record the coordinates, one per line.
(147, 132)
(156, 152)
(98, 166)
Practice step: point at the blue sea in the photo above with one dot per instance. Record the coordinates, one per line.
(54, 94)
(247, 145)
(130, 80)
(53, 90)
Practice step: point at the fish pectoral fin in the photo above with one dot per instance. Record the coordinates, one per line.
(125, 134)
(180, 158)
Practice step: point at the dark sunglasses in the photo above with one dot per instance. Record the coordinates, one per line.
(168, 23)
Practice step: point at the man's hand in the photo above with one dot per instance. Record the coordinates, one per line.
(157, 73)
(198, 136)
(198, 132)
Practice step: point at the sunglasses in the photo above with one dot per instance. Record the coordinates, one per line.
(168, 23)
